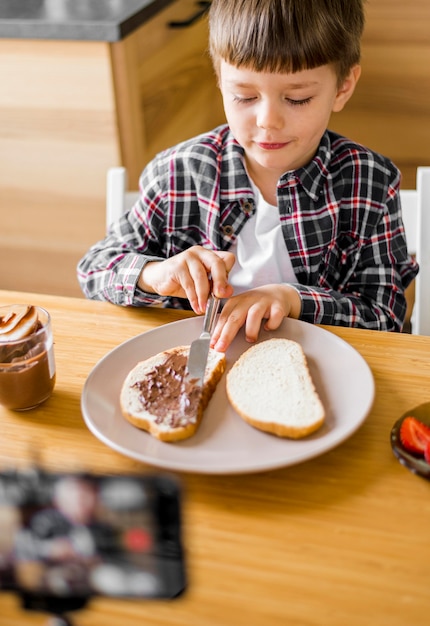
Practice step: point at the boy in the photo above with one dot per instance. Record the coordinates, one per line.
(279, 215)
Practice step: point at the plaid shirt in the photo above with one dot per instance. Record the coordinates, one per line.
(340, 216)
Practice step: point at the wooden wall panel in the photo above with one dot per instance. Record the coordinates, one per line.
(57, 138)
(390, 110)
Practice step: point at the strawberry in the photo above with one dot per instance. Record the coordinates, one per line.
(415, 435)
(427, 452)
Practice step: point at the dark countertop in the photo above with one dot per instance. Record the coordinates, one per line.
(86, 20)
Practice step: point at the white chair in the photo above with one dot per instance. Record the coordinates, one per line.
(416, 217)
(118, 198)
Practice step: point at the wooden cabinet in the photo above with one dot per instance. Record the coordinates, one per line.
(68, 111)
(165, 87)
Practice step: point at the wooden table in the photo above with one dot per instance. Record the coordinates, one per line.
(340, 540)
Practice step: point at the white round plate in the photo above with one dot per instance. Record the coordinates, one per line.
(224, 443)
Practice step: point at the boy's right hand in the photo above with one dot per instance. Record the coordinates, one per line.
(191, 274)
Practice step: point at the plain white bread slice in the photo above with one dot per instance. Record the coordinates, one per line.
(134, 411)
(271, 388)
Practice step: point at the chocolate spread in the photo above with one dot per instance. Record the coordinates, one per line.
(27, 366)
(169, 394)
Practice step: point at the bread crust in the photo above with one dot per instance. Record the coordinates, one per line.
(248, 377)
(133, 411)
(281, 430)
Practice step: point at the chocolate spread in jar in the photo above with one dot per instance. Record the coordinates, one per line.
(27, 365)
(169, 394)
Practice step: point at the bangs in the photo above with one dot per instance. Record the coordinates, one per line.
(283, 36)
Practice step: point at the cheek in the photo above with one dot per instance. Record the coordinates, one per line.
(235, 118)
(317, 122)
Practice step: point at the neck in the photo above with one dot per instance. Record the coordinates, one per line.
(267, 185)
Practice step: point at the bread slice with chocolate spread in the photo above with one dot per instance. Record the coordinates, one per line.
(157, 397)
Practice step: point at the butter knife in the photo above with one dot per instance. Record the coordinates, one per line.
(199, 349)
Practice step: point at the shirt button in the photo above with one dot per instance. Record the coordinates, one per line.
(247, 208)
(227, 230)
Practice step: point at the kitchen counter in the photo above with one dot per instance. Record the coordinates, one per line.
(82, 20)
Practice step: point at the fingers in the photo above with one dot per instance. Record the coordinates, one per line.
(193, 277)
(227, 327)
(267, 305)
(228, 258)
(238, 312)
(208, 271)
(219, 271)
(192, 274)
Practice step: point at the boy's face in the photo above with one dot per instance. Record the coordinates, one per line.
(279, 119)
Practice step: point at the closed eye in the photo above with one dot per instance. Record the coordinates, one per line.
(291, 101)
(298, 102)
(242, 100)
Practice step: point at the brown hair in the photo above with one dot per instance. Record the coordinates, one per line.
(286, 35)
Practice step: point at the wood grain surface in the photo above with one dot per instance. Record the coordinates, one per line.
(340, 539)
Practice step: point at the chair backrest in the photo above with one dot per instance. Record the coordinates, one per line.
(118, 198)
(416, 218)
(409, 200)
(422, 286)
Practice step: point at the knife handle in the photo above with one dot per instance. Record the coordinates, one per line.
(211, 312)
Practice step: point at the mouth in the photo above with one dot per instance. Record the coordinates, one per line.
(271, 146)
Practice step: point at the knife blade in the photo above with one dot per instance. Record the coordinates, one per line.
(199, 349)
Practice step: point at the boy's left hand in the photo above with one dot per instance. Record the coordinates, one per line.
(270, 303)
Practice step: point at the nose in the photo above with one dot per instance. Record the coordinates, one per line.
(270, 115)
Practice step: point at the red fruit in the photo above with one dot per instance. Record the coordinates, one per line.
(414, 435)
(427, 452)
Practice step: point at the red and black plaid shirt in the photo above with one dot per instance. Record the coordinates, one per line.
(340, 215)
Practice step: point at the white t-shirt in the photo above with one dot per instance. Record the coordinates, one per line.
(261, 253)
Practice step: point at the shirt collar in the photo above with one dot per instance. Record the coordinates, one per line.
(313, 176)
(235, 184)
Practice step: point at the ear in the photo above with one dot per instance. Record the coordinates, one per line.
(347, 88)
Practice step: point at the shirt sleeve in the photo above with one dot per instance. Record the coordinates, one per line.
(111, 268)
(372, 295)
